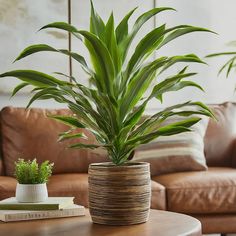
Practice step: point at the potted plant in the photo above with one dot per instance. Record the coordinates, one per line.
(32, 179)
(113, 107)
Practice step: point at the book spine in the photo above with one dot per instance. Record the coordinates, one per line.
(44, 214)
(28, 207)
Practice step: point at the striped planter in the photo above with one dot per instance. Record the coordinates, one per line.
(119, 195)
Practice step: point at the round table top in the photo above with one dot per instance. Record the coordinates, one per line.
(162, 223)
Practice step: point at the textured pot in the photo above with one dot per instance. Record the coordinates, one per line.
(119, 195)
(31, 192)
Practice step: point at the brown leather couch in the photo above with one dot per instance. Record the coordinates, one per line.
(208, 195)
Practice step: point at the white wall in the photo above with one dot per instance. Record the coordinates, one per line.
(205, 13)
(218, 16)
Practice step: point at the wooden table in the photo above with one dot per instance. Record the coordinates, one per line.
(161, 223)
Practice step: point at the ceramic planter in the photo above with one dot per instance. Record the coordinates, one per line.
(119, 195)
(31, 192)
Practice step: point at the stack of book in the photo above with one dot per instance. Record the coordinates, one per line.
(53, 207)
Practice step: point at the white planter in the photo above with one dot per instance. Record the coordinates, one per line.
(31, 192)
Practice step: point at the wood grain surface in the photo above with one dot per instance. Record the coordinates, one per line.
(160, 223)
(119, 195)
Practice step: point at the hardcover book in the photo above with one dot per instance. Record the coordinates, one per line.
(52, 203)
(20, 215)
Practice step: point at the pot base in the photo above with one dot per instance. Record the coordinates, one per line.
(116, 219)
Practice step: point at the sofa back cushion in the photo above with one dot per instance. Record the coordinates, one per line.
(31, 134)
(220, 135)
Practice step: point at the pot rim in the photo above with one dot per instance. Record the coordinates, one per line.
(31, 184)
(130, 164)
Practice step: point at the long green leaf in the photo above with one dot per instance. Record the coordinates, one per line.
(145, 47)
(185, 58)
(82, 145)
(221, 54)
(66, 136)
(97, 25)
(169, 84)
(50, 91)
(122, 29)
(46, 48)
(174, 128)
(78, 58)
(180, 31)
(125, 44)
(62, 26)
(139, 85)
(18, 88)
(35, 78)
(102, 61)
(68, 120)
(35, 48)
(110, 40)
(166, 112)
(225, 65)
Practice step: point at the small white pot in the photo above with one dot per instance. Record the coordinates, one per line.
(31, 192)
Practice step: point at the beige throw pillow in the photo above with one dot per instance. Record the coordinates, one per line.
(176, 153)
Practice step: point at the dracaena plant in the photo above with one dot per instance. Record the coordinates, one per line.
(230, 64)
(113, 106)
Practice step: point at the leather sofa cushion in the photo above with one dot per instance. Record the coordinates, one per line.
(158, 199)
(69, 185)
(206, 192)
(220, 135)
(213, 224)
(7, 187)
(30, 134)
